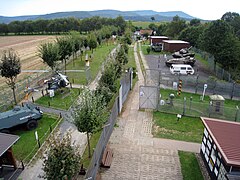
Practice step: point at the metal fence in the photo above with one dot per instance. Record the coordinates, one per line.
(194, 108)
(219, 72)
(195, 84)
(108, 127)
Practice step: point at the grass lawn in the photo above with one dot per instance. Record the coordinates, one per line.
(196, 107)
(189, 166)
(60, 100)
(27, 142)
(98, 57)
(93, 142)
(186, 129)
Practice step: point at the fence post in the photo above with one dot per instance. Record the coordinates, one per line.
(184, 106)
(237, 111)
(233, 86)
(190, 105)
(196, 84)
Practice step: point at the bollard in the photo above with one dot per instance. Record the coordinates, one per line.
(32, 99)
(50, 127)
(49, 103)
(39, 144)
(60, 115)
(42, 93)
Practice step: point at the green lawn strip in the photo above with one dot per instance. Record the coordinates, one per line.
(85, 160)
(98, 56)
(27, 143)
(201, 59)
(189, 166)
(144, 50)
(60, 100)
(186, 129)
(196, 97)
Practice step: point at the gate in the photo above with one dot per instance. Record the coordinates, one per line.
(148, 97)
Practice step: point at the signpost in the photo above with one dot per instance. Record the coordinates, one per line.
(204, 90)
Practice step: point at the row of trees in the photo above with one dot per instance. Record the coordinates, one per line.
(90, 113)
(221, 38)
(70, 44)
(41, 26)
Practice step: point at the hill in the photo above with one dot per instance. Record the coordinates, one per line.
(143, 15)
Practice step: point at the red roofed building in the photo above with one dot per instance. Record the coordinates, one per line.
(174, 45)
(145, 31)
(220, 148)
(157, 39)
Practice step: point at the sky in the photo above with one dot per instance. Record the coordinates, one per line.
(203, 9)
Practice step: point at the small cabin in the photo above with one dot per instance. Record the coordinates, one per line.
(157, 39)
(220, 148)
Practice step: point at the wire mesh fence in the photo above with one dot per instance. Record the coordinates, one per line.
(219, 72)
(189, 107)
(109, 126)
(195, 84)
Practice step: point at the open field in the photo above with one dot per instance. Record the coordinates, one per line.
(27, 49)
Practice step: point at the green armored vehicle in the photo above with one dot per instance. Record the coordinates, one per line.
(28, 114)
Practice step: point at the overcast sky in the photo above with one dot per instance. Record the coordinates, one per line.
(203, 9)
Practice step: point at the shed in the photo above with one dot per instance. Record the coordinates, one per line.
(6, 154)
(174, 45)
(217, 104)
(220, 148)
(157, 39)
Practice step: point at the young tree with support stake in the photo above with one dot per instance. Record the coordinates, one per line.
(49, 52)
(10, 67)
(89, 114)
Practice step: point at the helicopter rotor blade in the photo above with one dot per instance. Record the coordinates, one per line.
(34, 71)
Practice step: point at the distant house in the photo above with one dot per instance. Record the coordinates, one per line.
(157, 39)
(220, 148)
(174, 45)
(144, 32)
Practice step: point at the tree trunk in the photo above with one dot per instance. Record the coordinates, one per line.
(65, 65)
(215, 63)
(89, 148)
(14, 95)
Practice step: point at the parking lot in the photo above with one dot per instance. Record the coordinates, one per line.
(158, 61)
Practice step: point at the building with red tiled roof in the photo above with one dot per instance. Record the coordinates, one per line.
(220, 148)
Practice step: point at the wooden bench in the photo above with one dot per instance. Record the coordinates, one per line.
(107, 157)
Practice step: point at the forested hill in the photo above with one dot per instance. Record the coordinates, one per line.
(143, 15)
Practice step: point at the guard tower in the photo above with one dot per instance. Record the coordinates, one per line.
(217, 103)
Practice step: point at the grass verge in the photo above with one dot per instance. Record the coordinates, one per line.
(85, 160)
(27, 145)
(186, 129)
(189, 166)
(98, 56)
(60, 100)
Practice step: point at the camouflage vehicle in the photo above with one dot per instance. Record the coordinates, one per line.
(28, 114)
(184, 60)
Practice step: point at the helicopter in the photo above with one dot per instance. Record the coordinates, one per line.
(57, 81)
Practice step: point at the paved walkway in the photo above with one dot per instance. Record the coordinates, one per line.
(137, 155)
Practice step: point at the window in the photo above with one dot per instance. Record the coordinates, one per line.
(183, 68)
(205, 132)
(189, 68)
(213, 155)
(203, 148)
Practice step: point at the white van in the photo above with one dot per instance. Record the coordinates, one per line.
(181, 69)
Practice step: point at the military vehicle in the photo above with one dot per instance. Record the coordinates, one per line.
(157, 47)
(183, 53)
(184, 60)
(28, 114)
